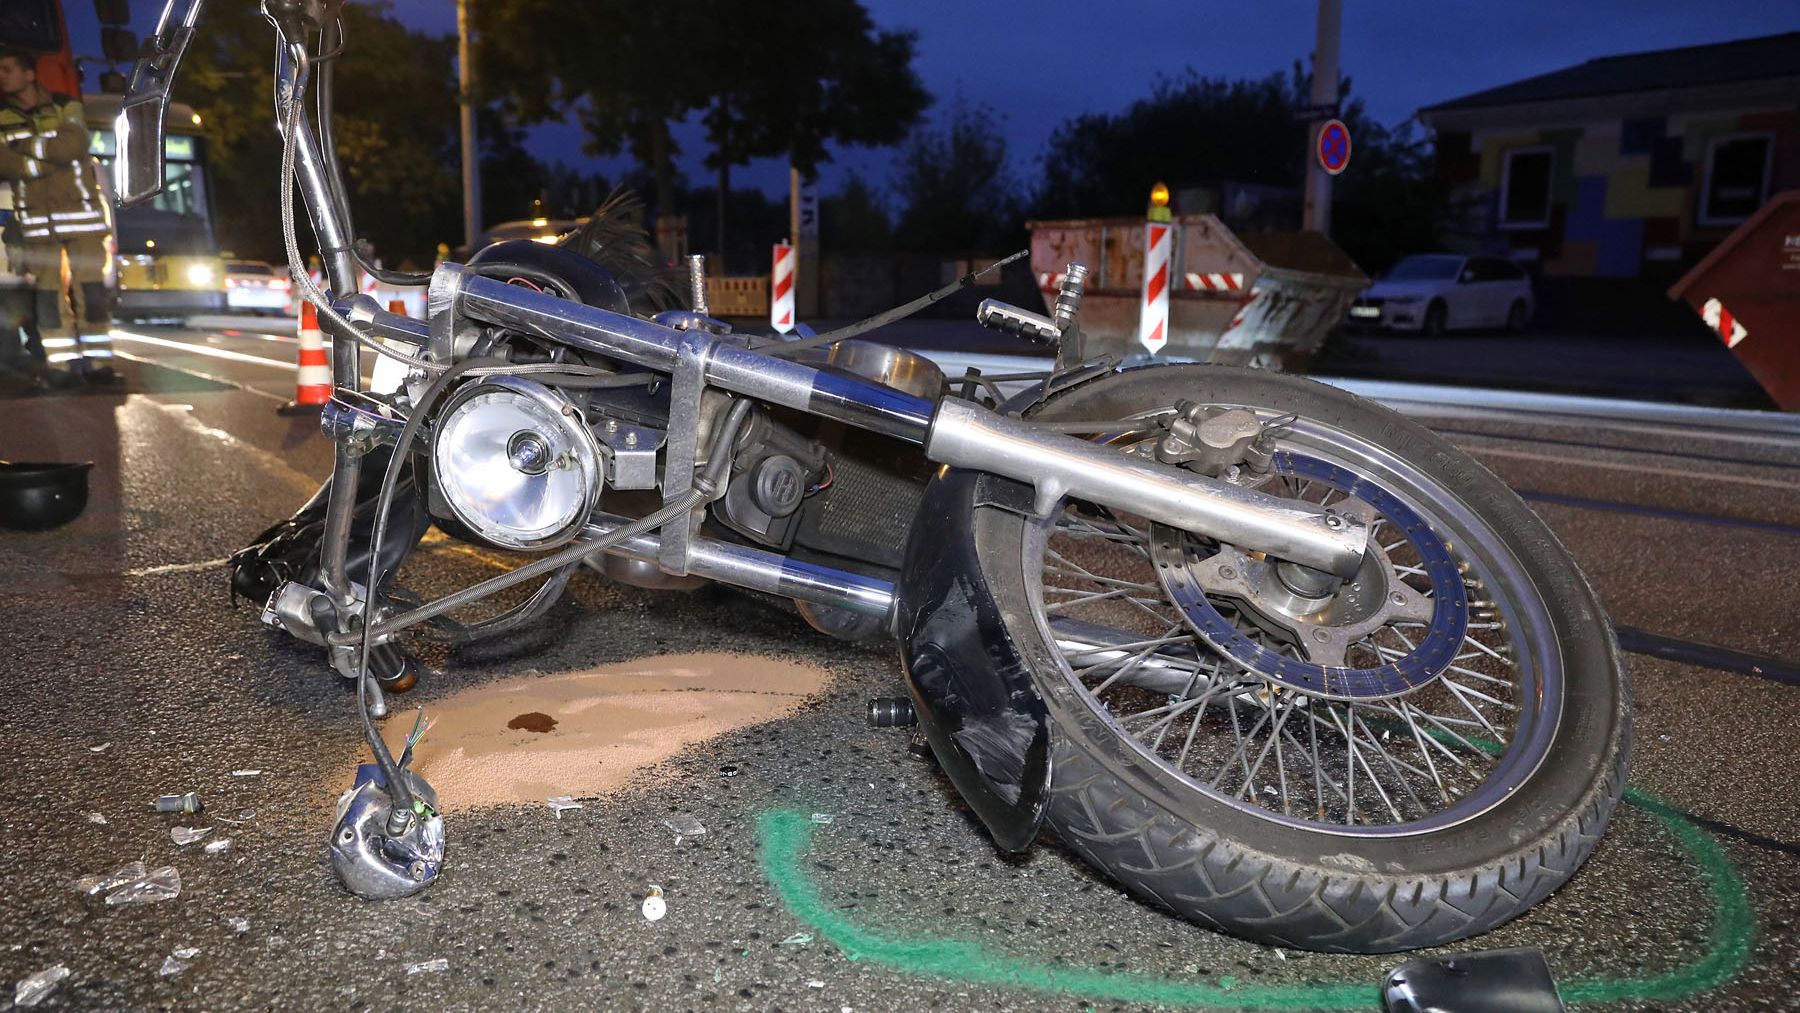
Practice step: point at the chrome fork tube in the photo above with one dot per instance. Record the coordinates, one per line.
(317, 191)
(965, 435)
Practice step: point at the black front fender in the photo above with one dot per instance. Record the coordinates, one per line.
(976, 701)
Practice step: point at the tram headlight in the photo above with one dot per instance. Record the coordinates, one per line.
(200, 275)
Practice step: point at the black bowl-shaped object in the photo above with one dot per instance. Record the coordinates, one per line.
(36, 496)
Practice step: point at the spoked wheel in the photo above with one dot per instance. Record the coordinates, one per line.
(1400, 759)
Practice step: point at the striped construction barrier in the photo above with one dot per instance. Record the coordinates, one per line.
(1153, 308)
(781, 288)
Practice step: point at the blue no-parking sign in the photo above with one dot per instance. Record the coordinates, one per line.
(1334, 146)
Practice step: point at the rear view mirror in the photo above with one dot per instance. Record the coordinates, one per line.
(138, 167)
(113, 12)
(118, 45)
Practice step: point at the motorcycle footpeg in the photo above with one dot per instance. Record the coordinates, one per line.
(369, 858)
(393, 668)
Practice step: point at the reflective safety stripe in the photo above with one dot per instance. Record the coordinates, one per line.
(87, 203)
(37, 146)
(59, 342)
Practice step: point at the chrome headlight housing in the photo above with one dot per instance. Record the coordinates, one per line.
(514, 461)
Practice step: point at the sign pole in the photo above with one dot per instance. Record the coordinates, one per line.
(1317, 213)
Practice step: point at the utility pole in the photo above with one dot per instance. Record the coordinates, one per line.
(471, 148)
(803, 227)
(1317, 214)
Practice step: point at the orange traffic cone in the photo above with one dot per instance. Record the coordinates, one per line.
(312, 385)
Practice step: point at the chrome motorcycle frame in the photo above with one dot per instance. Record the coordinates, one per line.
(967, 439)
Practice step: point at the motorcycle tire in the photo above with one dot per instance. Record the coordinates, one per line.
(1267, 876)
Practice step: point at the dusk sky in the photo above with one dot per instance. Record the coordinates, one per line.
(1041, 63)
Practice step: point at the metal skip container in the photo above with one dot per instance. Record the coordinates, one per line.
(1748, 291)
(1263, 299)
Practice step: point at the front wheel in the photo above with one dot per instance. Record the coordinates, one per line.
(1406, 758)
(1517, 316)
(1436, 321)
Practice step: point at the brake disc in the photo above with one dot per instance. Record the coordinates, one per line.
(1321, 620)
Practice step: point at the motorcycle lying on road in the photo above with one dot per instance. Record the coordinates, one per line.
(1268, 654)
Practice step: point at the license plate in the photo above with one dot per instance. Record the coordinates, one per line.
(1365, 311)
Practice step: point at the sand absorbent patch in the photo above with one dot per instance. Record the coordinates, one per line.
(593, 731)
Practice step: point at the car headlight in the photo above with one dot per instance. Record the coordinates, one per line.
(200, 274)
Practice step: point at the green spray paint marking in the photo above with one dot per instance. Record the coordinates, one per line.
(786, 835)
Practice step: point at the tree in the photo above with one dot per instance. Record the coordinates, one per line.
(1193, 128)
(855, 218)
(768, 80)
(625, 70)
(395, 125)
(1190, 128)
(956, 192)
(838, 80)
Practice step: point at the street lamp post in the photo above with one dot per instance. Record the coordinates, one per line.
(471, 151)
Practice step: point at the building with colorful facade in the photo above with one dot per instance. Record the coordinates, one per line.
(1630, 166)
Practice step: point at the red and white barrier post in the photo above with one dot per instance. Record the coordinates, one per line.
(312, 381)
(1153, 308)
(781, 289)
(1720, 320)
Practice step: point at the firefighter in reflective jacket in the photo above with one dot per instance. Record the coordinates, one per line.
(44, 158)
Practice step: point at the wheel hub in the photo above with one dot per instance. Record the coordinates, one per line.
(1318, 616)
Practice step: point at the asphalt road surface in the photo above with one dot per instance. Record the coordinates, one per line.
(128, 673)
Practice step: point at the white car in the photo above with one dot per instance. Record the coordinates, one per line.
(257, 287)
(1436, 292)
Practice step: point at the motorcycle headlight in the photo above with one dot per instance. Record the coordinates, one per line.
(514, 461)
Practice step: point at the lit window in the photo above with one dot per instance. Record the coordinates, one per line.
(1525, 189)
(1737, 177)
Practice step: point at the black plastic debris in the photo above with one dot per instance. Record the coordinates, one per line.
(1488, 981)
(38, 496)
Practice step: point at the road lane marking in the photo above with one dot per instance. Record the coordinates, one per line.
(184, 415)
(246, 388)
(217, 353)
(147, 571)
(1585, 462)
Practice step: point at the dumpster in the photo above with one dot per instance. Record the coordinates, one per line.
(1263, 299)
(1748, 291)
